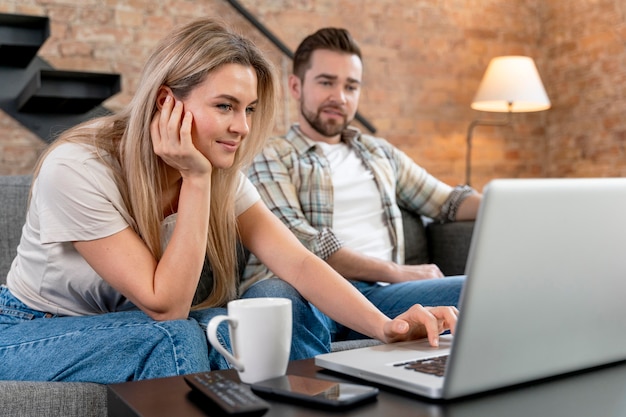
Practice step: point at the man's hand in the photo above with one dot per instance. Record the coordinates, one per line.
(357, 266)
(402, 273)
(419, 322)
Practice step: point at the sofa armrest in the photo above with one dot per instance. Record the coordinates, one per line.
(13, 197)
(449, 244)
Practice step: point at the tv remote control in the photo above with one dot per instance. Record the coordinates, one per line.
(230, 396)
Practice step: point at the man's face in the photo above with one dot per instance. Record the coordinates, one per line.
(329, 94)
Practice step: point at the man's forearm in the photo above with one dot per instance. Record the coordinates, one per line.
(353, 265)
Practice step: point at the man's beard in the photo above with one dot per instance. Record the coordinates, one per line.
(327, 129)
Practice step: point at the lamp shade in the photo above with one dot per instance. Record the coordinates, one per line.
(511, 84)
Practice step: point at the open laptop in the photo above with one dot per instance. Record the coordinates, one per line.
(544, 296)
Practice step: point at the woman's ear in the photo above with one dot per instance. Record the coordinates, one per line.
(163, 92)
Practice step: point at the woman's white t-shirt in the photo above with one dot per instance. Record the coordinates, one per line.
(75, 198)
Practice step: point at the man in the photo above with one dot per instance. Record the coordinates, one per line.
(340, 191)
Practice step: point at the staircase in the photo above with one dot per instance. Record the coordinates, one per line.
(45, 100)
(48, 101)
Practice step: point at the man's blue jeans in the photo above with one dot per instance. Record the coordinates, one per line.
(313, 331)
(105, 348)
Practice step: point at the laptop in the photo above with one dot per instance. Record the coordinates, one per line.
(544, 296)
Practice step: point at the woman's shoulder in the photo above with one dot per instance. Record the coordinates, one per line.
(246, 194)
(76, 156)
(76, 163)
(70, 151)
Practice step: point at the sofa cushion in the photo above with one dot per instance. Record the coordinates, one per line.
(353, 344)
(449, 244)
(63, 399)
(415, 243)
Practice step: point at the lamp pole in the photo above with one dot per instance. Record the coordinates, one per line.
(470, 129)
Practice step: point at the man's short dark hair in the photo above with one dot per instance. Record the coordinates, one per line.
(332, 39)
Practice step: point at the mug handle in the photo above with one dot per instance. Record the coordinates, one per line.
(211, 331)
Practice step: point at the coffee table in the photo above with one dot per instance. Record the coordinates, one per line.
(593, 393)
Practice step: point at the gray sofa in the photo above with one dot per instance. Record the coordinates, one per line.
(444, 244)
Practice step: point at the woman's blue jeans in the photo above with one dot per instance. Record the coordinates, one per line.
(313, 331)
(106, 348)
(126, 346)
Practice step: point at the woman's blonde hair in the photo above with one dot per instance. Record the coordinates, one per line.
(181, 61)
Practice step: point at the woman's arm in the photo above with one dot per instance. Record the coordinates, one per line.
(272, 242)
(164, 290)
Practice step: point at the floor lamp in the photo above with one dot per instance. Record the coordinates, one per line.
(511, 84)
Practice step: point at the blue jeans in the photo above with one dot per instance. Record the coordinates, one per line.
(106, 348)
(313, 331)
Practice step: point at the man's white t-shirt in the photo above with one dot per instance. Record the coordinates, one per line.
(357, 208)
(75, 198)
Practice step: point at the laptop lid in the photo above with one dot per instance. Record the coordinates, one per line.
(545, 283)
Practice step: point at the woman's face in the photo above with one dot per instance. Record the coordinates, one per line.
(222, 108)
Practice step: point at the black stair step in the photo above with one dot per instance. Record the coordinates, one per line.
(70, 92)
(21, 36)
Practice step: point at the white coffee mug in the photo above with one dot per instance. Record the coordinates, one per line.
(260, 336)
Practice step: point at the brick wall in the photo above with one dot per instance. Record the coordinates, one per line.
(584, 46)
(423, 59)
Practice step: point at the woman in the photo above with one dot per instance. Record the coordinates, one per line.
(124, 210)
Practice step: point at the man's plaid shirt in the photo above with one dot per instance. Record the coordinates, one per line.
(294, 180)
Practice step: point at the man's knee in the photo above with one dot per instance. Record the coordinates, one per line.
(272, 287)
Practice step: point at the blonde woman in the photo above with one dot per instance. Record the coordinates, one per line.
(125, 210)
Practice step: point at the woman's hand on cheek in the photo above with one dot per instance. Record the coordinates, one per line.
(170, 130)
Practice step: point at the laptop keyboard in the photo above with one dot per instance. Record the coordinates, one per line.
(433, 366)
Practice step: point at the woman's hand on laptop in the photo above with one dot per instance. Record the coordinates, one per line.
(419, 322)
